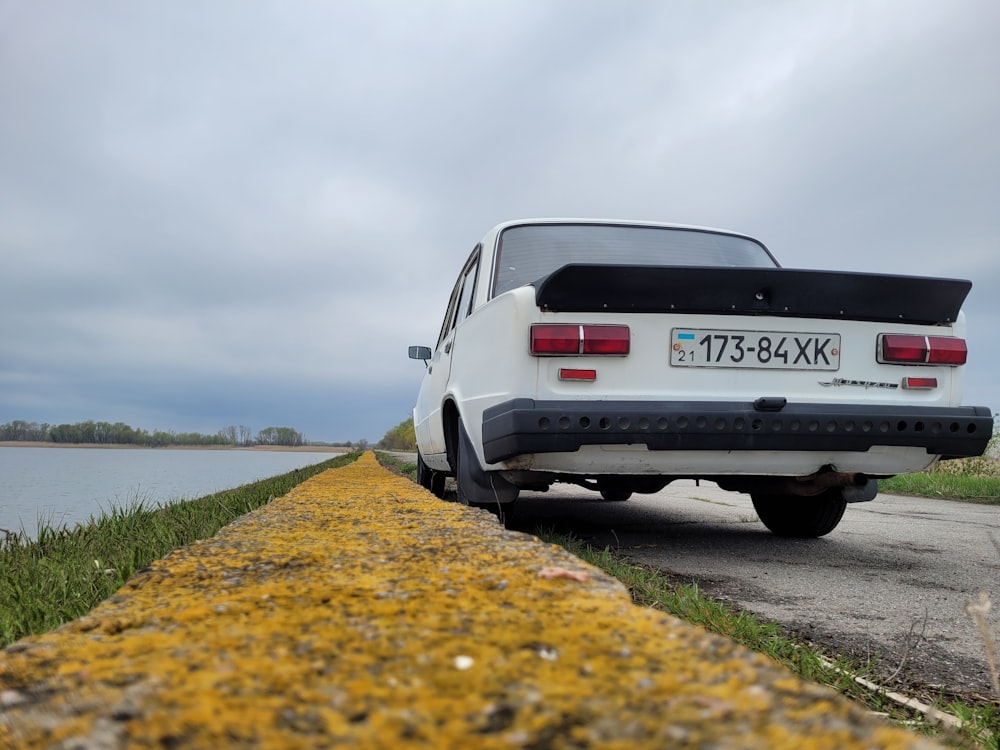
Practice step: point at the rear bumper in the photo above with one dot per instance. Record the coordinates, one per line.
(523, 426)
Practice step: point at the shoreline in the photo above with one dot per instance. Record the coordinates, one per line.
(129, 446)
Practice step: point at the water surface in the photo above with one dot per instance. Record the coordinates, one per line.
(70, 485)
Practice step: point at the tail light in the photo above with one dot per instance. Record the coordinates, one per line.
(907, 349)
(568, 339)
(556, 339)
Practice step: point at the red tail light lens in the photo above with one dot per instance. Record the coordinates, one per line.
(614, 340)
(566, 339)
(904, 349)
(947, 351)
(555, 339)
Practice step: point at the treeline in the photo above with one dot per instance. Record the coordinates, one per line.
(119, 433)
(402, 437)
(279, 436)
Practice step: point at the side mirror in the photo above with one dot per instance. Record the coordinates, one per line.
(420, 352)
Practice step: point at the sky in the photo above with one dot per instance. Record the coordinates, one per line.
(242, 212)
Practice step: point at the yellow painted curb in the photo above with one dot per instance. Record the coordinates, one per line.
(360, 610)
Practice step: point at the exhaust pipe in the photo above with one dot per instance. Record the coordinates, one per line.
(855, 486)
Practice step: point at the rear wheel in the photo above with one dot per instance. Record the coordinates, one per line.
(616, 495)
(802, 517)
(428, 478)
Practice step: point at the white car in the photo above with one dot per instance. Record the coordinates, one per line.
(620, 356)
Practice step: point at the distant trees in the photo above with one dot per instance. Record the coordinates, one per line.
(279, 436)
(237, 435)
(21, 430)
(400, 438)
(119, 433)
(100, 433)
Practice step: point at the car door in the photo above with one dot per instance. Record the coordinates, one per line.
(429, 424)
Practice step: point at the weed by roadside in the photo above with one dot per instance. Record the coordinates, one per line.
(396, 466)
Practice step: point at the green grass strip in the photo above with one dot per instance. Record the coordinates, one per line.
(973, 489)
(65, 572)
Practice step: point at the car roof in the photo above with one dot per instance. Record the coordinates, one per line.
(612, 222)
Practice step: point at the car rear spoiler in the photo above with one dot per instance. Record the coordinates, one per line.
(752, 291)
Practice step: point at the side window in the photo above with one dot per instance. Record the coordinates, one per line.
(449, 317)
(460, 304)
(468, 291)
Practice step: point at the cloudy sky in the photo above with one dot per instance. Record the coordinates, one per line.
(242, 212)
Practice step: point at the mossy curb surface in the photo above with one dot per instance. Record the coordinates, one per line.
(359, 610)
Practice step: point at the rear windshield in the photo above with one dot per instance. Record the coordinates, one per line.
(528, 253)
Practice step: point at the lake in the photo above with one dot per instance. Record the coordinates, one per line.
(69, 485)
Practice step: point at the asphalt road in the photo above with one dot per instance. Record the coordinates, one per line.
(891, 581)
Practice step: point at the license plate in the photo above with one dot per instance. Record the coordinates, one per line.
(762, 350)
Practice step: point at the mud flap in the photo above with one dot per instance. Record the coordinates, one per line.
(475, 486)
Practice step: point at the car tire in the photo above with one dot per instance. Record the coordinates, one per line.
(428, 478)
(616, 495)
(424, 475)
(437, 483)
(801, 517)
(478, 488)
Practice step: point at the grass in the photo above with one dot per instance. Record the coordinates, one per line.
(974, 480)
(940, 484)
(65, 572)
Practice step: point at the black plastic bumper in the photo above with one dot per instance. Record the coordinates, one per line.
(524, 425)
